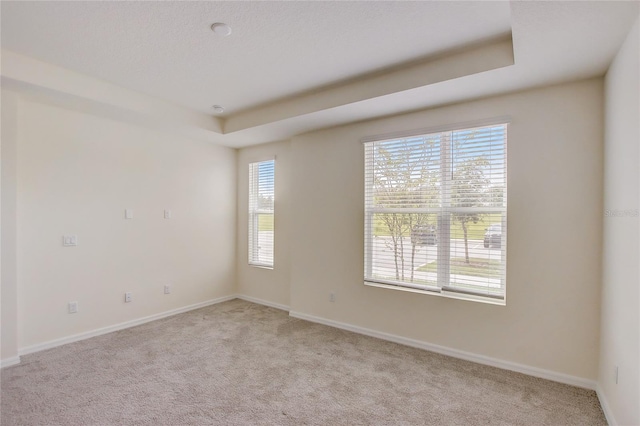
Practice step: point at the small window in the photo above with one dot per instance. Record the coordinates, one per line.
(436, 212)
(261, 213)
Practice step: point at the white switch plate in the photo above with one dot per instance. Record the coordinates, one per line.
(73, 307)
(127, 297)
(128, 213)
(167, 214)
(167, 289)
(69, 240)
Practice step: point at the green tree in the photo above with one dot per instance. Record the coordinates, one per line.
(404, 177)
(495, 196)
(469, 189)
(265, 202)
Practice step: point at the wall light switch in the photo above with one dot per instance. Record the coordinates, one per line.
(69, 240)
(167, 214)
(73, 307)
(128, 214)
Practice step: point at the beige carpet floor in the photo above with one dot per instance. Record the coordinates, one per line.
(239, 363)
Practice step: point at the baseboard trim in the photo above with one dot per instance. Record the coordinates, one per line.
(468, 356)
(455, 353)
(606, 408)
(8, 362)
(121, 326)
(263, 302)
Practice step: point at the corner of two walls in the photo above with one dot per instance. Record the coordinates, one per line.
(76, 174)
(9, 288)
(620, 324)
(551, 320)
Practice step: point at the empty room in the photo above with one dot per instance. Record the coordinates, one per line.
(320, 213)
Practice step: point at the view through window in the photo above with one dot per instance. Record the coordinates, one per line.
(261, 212)
(436, 211)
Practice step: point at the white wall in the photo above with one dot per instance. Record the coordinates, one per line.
(267, 285)
(620, 344)
(551, 320)
(9, 289)
(76, 173)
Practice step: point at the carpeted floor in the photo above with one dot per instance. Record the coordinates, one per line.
(239, 363)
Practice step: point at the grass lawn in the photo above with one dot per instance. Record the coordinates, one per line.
(485, 268)
(475, 230)
(265, 222)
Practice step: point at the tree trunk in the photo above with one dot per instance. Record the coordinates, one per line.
(395, 256)
(402, 255)
(466, 242)
(413, 256)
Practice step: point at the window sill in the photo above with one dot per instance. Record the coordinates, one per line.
(441, 293)
(261, 266)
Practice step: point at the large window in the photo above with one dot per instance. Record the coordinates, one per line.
(261, 211)
(436, 212)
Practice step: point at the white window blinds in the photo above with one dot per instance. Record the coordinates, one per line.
(436, 211)
(261, 212)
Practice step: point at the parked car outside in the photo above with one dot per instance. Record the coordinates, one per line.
(493, 235)
(424, 234)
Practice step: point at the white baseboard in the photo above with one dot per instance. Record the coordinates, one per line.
(606, 408)
(263, 302)
(468, 356)
(9, 362)
(93, 333)
(455, 353)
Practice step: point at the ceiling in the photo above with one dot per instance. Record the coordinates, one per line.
(290, 67)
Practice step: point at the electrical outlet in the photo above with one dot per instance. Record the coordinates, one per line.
(332, 297)
(127, 297)
(615, 374)
(167, 289)
(167, 214)
(73, 307)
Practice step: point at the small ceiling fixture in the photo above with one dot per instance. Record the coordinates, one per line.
(218, 109)
(221, 29)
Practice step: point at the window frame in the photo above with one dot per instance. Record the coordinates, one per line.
(254, 213)
(444, 221)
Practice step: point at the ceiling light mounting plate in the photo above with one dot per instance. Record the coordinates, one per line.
(218, 109)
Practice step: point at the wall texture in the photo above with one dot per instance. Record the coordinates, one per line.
(620, 344)
(551, 320)
(76, 174)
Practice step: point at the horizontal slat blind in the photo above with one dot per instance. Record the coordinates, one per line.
(261, 212)
(435, 211)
